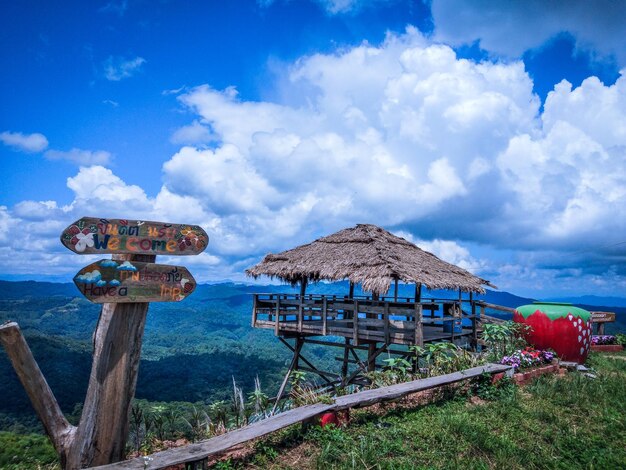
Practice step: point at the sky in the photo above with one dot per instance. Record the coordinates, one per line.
(490, 133)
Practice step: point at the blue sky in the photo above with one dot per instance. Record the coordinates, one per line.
(491, 133)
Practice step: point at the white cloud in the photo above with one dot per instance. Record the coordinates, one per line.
(80, 156)
(31, 143)
(511, 28)
(98, 185)
(194, 133)
(405, 135)
(117, 68)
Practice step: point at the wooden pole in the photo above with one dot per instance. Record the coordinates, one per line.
(344, 365)
(294, 361)
(351, 293)
(112, 382)
(300, 306)
(371, 359)
(61, 433)
(395, 290)
(418, 292)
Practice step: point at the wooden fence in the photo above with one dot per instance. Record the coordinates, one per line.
(202, 450)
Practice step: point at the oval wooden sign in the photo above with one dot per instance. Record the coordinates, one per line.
(115, 281)
(101, 236)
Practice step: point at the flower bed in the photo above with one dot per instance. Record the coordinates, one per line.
(605, 343)
(603, 339)
(529, 363)
(528, 357)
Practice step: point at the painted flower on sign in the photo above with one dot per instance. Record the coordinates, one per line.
(81, 239)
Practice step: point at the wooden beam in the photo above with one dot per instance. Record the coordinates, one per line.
(294, 361)
(37, 389)
(254, 313)
(218, 444)
(304, 359)
(386, 320)
(324, 315)
(355, 322)
(371, 360)
(276, 320)
(419, 326)
(351, 292)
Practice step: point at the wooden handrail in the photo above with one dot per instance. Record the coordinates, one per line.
(215, 445)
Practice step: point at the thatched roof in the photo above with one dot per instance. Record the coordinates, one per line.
(370, 256)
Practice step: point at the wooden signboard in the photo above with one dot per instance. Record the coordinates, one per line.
(91, 235)
(602, 317)
(115, 281)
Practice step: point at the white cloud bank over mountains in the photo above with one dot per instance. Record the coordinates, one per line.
(403, 135)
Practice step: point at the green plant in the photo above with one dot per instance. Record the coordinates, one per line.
(199, 424)
(620, 338)
(237, 405)
(503, 339)
(258, 401)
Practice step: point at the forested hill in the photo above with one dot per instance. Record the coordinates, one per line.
(191, 351)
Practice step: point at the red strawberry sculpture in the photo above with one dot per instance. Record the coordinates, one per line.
(561, 327)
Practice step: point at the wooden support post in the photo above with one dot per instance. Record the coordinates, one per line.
(117, 350)
(395, 290)
(37, 389)
(418, 292)
(351, 293)
(474, 323)
(419, 326)
(276, 320)
(294, 362)
(254, 314)
(355, 323)
(303, 283)
(344, 365)
(386, 320)
(371, 360)
(324, 315)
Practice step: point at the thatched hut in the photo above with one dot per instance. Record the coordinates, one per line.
(370, 256)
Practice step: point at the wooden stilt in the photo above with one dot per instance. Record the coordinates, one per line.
(474, 323)
(344, 365)
(305, 360)
(294, 362)
(276, 324)
(371, 360)
(324, 316)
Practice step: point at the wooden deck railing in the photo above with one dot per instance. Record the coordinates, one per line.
(389, 320)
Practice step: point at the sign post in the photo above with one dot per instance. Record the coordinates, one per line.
(124, 285)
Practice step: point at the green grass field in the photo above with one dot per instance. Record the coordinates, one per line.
(567, 422)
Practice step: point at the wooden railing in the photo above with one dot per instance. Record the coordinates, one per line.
(201, 450)
(389, 320)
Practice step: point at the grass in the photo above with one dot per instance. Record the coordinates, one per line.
(568, 422)
(565, 422)
(26, 451)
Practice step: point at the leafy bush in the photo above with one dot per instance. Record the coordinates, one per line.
(503, 339)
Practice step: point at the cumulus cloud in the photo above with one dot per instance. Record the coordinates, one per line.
(99, 184)
(29, 143)
(511, 28)
(118, 68)
(81, 157)
(456, 154)
(194, 133)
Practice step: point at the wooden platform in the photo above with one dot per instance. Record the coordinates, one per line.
(365, 320)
